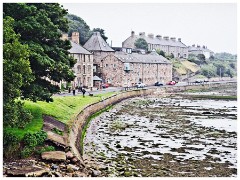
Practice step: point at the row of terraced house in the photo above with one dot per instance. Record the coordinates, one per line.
(123, 66)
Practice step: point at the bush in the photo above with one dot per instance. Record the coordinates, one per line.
(32, 140)
(26, 152)
(45, 149)
(11, 145)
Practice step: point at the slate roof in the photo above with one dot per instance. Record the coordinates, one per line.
(97, 43)
(141, 58)
(78, 49)
(162, 41)
(191, 48)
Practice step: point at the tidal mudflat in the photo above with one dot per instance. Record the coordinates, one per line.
(165, 137)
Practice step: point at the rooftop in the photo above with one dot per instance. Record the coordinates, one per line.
(78, 49)
(97, 43)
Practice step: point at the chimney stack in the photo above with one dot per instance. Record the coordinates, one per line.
(75, 37)
(193, 45)
(166, 38)
(151, 35)
(179, 39)
(159, 37)
(142, 34)
(173, 39)
(64, 37)
(132, 34)
(198, 46)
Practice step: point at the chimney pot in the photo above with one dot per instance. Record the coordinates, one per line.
(166, 37)
(132, 33)
(142, 33)
(179, 39)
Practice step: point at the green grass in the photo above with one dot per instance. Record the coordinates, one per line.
(214, 97)
(63, 108)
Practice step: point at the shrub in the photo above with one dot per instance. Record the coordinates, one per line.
(26, 152)
(11, 145)
(32, 140)
(45, 149)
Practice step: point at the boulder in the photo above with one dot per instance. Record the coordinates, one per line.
(27, 171)
(54, 156)
(69, 155)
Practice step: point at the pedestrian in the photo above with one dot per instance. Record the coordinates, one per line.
(83, 91)
(74, 92)
(69, 90)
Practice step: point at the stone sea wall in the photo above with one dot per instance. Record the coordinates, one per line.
(80, 121)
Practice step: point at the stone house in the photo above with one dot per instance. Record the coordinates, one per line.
(100, 49)
(127, 69)
(83, 69)
(200, 50)
(169, 46)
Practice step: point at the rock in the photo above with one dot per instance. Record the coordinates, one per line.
(118, 146)
(54, 156)
(27, 171)
(70, 169)
(54, 166)
(69, 155)
(127, 174)
(95, 173)
(75, 168)
(57, 174)
(74, 160)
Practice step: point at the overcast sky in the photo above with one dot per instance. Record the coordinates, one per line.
(213, 25)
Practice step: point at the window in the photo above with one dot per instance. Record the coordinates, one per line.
(78, 68)
(84, 69)
(78, 81)
(83, 58)
(106, 65)
(89, 68)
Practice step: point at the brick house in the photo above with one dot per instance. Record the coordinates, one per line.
(127, 69)
(99, 49)
(169, 46)
(83, 69)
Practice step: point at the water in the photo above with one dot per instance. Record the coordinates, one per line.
(166, 133)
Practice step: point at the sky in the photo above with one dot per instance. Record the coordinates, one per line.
(213, 25)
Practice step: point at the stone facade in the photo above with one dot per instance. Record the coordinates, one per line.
(200, 50)
(83, 69)
(100, 49)
(122, 69)
(169, 46)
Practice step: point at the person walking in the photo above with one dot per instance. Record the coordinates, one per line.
(83, 91)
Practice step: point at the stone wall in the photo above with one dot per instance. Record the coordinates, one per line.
(80, 121)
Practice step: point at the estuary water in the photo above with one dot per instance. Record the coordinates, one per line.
(165, 137)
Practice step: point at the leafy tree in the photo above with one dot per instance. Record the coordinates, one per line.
(16, 73)
(77, 24)
(232, 65)
(161, 52)
(141, 44)
(40, 26)
(230, 72)
(211, 57)
(208, 71)
(171, 55)
(101, 32)
(201, 57)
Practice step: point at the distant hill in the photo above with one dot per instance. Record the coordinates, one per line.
(225, 56)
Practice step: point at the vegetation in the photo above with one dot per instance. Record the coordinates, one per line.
(40, 26)
(77, 24)
(225, 56)
(141, 44)
(16, 73)
(161, 52)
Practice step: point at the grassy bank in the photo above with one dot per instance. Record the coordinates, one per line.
(63, 108)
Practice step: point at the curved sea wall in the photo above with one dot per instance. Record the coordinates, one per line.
(80, 121)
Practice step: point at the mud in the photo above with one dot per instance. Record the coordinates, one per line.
(165, 137)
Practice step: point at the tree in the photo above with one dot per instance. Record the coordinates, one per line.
(211, 57)
(77, 24)
(141, 44)
(101, 32)
(161, 52)
(16, 73)
(208, 71)
(40, 26)
(201, 57)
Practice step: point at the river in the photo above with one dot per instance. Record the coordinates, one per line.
(165, 137)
